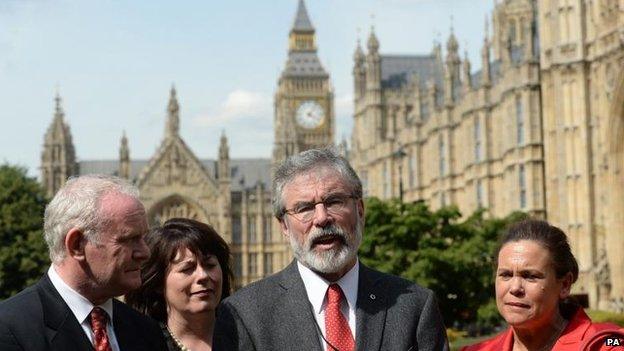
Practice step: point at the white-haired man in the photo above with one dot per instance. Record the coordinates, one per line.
(94, 228)
(326, 299)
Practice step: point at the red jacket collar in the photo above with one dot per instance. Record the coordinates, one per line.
(574, 332)
(576, 328)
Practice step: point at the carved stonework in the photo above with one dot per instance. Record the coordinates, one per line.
(58, 157)
(175, 207)
(617, 305)
(176, 184)
(609, 10)
(569, 125)
(176, 167)
(610, 76)
(603, 276)
(175, 164)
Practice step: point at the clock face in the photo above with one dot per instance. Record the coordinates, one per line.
(310, 114)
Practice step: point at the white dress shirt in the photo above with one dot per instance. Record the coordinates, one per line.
(316, 287)
(81, 308)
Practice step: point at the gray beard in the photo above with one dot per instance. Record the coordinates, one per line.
(327, 261)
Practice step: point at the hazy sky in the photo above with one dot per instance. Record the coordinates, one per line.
(114, 62)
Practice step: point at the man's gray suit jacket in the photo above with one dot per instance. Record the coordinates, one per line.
(275, 314)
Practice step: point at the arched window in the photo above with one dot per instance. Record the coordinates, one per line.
(236, 229)
(522, 186)
(477, 139)
(238, 265)
(173, 207)
(512, 31)
(268, 263)
(266, 224)
(386, 181)
(252, 265)
(424, 111)
(251, 229)
(442, 155)
(479, 191)
(412, 166)
(519, 121)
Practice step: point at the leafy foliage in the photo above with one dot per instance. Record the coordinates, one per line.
(439, 250)
(606, 316)
(23, 252)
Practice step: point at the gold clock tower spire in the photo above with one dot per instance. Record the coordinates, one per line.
(302, 33)
(304, 100)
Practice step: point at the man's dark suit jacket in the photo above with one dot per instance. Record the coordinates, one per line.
(37, 319)
(275, 314)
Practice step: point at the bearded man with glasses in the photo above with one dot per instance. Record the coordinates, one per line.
(326, 299)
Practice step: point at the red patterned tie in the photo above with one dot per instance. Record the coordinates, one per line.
(98, 325)
(337, 328)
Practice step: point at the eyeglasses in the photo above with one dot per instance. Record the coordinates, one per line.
(335, 204)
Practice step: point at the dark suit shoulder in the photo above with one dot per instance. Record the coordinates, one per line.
(132, 314)
(252, 302)
(20, 305)
(136, 331)
(393, 282)
(412, 318)
(263, 290)
(21, 317)
(261, 316)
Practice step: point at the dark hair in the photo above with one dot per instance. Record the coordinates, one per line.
(164, 243)
(552, 239)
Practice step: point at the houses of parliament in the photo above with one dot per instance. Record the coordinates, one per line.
(539, 128)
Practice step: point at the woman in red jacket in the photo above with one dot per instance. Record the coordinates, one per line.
(535, 270)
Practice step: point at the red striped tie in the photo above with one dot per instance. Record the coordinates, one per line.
(336, 326)
(98, 325)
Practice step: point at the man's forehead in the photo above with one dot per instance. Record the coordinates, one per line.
(320, 172)
(315, 180)
(115, 203)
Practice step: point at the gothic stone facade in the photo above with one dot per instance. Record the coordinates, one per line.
(540, 128)
(230, 194)
(233, 195)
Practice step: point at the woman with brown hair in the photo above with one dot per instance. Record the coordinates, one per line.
(535, 270)
(185, 278)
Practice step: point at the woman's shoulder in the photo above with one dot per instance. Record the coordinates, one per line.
(499, 342)
(599, 327)
(587, 327)
(171, 344)
(583, 334)
(603, 336)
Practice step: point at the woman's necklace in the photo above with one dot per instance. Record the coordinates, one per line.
(177, 341)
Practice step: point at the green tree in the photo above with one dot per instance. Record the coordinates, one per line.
(438, 250)
(23, 253)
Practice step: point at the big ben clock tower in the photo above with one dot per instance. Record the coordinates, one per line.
(304, 101)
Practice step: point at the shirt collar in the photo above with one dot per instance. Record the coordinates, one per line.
(79, 305)
(316, 286)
